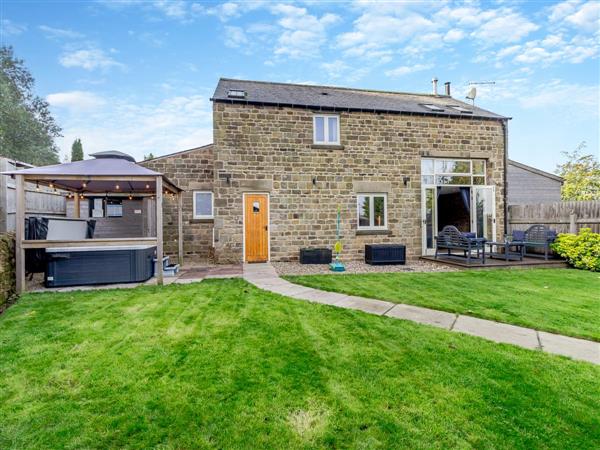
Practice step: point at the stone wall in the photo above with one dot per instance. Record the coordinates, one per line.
(7, 267)
(190, 170)
(269, 149)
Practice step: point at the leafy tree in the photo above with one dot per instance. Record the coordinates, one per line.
(581, 175)
(76, 150)
(27, 129)
(148, 156)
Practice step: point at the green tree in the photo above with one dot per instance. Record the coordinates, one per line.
(76, 150)
(148, 156)
(27, 129)
(581, 175)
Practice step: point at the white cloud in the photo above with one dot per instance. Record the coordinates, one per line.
(454, 35)
(406, 70)
(89, 59)
(339, 70)
(508, 27)
(175, 123)
(587, 16)
(303, 33)
(10, 28)
(235, 37)
(75, 101)
(567, 96)
(59, 33)
(552, 49)
(561, 10)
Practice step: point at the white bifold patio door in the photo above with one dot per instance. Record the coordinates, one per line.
(483, 211)
(482, 214)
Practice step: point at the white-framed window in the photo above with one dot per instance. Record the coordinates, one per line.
(203, 205)
(326, 129)
(371, 211)
(461, 172)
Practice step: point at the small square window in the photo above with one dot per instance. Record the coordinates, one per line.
(326, 130)
(372, 211)
(203, 205)
(255, 207)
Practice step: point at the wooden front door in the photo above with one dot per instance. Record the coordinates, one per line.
(256, 227)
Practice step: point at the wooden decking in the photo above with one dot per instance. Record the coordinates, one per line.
(494, 263)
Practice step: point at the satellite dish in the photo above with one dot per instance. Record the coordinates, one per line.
(472, 93)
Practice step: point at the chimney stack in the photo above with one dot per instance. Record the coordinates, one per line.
(434, 83)
(447, 87)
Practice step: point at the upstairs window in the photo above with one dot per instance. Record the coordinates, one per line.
(326, 130)
(203, 205)
(372, 211)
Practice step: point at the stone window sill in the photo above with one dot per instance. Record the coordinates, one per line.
(373, 232)
(327, 147)
(202, 220)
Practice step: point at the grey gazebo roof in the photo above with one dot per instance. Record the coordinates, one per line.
(102, 174)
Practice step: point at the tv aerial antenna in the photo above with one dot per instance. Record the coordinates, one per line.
(473, 89)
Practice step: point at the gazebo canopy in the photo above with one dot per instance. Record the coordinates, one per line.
(107, 172)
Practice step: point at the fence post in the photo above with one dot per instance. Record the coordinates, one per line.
(573, 222)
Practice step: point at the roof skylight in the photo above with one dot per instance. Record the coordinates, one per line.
(460, 109)
(236, 93)
(433, 107)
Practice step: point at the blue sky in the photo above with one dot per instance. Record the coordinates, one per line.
(137, 76)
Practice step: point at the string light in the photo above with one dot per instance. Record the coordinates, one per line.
(84, 185)
(81, 196)
(37, 186)
(117, 187)
(130, 197)
(51, 186)
(147, 186)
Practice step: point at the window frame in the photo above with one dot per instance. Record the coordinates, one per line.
(371, 196)
(325, 118)
(470, 174)
(212, 205)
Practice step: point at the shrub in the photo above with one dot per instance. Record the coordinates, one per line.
(580, 250)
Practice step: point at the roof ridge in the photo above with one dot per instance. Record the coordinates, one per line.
(536, 170)
(177, 153)
(376, 91)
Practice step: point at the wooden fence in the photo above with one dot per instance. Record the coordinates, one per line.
(38, 201)
(564, 217)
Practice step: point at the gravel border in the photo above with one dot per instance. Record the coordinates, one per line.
(295, 268)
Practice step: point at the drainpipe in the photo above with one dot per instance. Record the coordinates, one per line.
(505, 177)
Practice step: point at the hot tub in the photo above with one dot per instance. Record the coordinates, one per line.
(98, 265)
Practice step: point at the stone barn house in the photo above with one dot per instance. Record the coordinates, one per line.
(286, 157)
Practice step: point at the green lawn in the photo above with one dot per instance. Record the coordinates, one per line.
(221, 364)
(564, 301)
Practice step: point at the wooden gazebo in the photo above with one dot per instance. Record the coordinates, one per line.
(108, 173)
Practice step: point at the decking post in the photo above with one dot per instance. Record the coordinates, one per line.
(180, 228)
(159, 230)
(20, 234)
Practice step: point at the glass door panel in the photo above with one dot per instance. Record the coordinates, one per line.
(429, 219)
(483, 213)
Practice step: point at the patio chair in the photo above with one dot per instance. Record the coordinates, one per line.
(450, 238)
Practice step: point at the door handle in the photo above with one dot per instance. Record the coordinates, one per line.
(266, 227)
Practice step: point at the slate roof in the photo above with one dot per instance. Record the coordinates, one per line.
(329, 98)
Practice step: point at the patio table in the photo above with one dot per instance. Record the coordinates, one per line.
(504, 250)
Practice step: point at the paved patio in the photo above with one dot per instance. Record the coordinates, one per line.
(265, 277)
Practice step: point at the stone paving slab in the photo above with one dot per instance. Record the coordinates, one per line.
(570, 346)
(497, 332)
(317, 296)
(426, 316)
(368, 305)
